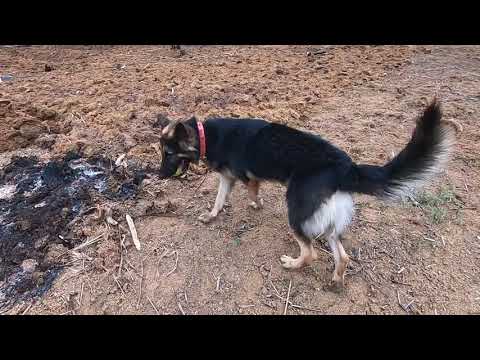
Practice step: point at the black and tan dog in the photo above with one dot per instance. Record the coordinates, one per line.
(319, 177)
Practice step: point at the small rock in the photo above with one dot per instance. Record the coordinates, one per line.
(128, 141)
(23, 225)
(37, 277)
(29, 265)
(64, 212)
(40, 243)
(53, 254)
(155, 102)
(89, 150)
(6, 78)
(31, 130)
(46, 141)
(47, 114)
(48, 68)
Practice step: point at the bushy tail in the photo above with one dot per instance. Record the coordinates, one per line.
(425, 155)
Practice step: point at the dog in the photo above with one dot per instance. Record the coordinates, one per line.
(320, 178)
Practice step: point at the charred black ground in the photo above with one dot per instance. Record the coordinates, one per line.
(38, 204)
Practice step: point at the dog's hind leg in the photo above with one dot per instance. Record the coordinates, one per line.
(224, 189)
(256, 202)
(307, 254)
(341, 261)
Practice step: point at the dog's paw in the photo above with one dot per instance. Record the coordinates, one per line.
(290, 263)
(206, 218)
(256, 205)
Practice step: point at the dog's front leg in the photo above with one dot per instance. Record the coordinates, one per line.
(224, 189)
(256, 202)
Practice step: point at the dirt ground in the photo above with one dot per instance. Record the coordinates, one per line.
(100, 102)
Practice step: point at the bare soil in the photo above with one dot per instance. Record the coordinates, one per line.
(99, 102)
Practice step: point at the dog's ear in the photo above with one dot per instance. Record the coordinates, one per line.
(161, 122)
(166, 125)
(186, 138)
(169, 130)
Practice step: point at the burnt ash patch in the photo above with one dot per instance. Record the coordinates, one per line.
(38, 201)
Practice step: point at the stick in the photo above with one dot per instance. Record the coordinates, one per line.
(108, 217)
(404, 307)
(181, 309)
(133, 231)
(298, 306)
(325, 251)
(118, 284)
(121, 258)
(274, 288)
(81, 293)
(175, 267)
(151, 303)
(288, 297)
(164, 254)
(141, 284)
(88, 242)
(28, 308)
(218, 283)
(428, 239)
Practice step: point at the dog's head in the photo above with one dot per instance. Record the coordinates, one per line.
(180, 145)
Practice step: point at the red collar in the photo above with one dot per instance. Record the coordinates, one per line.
(203, 143)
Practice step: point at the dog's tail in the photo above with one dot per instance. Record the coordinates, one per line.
(425, 155)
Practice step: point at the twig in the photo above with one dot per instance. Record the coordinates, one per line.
(218, 283)
(428, 239)
(88, 242)
(118, 284)
(141, 285)
(399, 282)
(133, 231)
(305, 308)
(109, 218)
(181, 309)
(201, 183)
(151, 303)
(406, 308)
(121, 258)
(28, 308)
(325, 251)
(133, 267)
(85, 244)
(274, 288)
(295, 305)
(81, 293)
(288, 297)
(175, 267)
